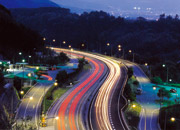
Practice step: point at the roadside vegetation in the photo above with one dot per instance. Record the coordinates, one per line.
(64, 83)
(169, 117)
(133, 110)
(132, 114)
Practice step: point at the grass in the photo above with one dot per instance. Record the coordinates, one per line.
(165, 102)
(132, 115)
(55, 93)
(26, 89)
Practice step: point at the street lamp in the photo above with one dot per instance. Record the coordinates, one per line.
(173, 119)
(69, 46)
(108, 44)
(21, 92)
(133, 105)
(30, 75)
(64, 42)
(154, 88)
(31, 98)
(56, 117)
(167, 71)
(82, 45)
(20, 53)
(54, 40)
(23, 60)
(44, 39)
(130, 51)
(55, 84)
(37, 68)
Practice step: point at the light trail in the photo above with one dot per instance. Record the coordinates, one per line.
(104, 97)
(81, 90)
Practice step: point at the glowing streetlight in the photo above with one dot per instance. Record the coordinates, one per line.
(31, 98)
(29, 75)
(146, 64)
(37, 67)
(23, 60)
(55, 84)
(170, 80)
(69, 46)
(119, 46)
(108, 44)
(119, 49)
(166, 71)
(21, 92)
(64, 42)
(154, 88)
(130, 51)
(54, 40)
(56, 117)
(0, 63)
(44, 39)
(173, 119)
(20, 53)
(82, 45)
(29, 56)
(133, 105)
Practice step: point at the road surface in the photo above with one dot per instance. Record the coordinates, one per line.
(72, 105)
(150, 109)
(30, 107)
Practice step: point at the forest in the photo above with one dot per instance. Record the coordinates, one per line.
(15, 38)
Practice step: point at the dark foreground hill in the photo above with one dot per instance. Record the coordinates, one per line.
(16, 37)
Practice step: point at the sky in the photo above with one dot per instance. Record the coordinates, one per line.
(120, 6)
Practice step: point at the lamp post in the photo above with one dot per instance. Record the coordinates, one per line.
(23, 60)
(30, 75)
(64, 42)
(166, 71)
(108, 44)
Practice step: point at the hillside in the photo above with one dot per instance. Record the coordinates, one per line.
(150, 40)
(27, 3)
(15, 37)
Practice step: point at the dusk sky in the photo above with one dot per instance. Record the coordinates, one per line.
(155, 6)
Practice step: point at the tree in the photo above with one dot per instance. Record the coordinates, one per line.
(157, 80)
(162, 92)
(62, 77)
(2, 82)
(38, 73)
(130, 72)
(81, 63)
(17, 83)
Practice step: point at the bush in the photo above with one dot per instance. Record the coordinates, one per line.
(136, 82)
(157, 80)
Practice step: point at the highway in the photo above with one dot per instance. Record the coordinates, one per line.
(105, 111)
(71, 107)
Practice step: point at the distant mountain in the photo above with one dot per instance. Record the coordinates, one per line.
(27, 3)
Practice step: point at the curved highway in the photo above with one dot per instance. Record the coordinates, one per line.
(68, 107)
